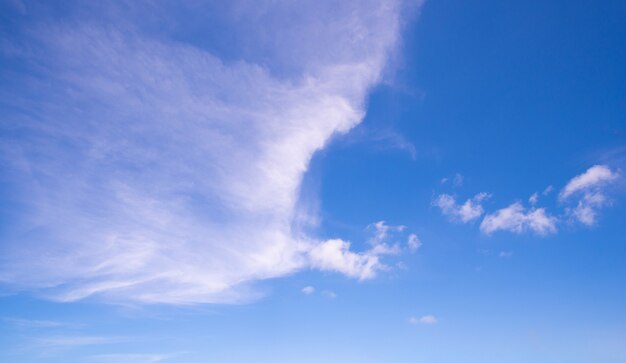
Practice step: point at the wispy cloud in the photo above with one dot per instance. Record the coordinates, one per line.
(76, 341)
(308, 290)
(466, 212)
(595, 177)
(425, 320)
(132, 358)
(38, 324)
(413, 242)
(156, 170)
(588, 189)
(515, 218)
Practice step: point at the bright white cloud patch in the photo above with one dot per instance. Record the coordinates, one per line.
(335, 255)
(308, 290)
(151, 168)
(595, 177)
(589, 191)
(466, 212)
(515, 218)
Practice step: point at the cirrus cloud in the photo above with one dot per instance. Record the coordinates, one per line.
(148, 166)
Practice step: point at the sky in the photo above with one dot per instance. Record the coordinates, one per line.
(312, 181)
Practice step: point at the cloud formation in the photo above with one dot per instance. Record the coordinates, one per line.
(425, 320)
(466, 212)
(589, 190)
(413, 242)
(594, 178)
(515, 218)
(150, 166)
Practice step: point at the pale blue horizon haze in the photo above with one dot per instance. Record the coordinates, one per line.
(312, 181)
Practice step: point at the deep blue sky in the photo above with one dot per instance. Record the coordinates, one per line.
(158, 203)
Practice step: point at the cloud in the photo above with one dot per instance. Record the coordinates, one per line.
(457, 180)
(504, 254)
(589, 190)
(425, 320)
(515, 218)
(153, 167)
(413, 242)
(382, 235)
(594, 178)
(548, 190)
(77, 341)
(335, 255)
(133, 358)
(467, 212)
(329, 294)
(533, 199)
(382, 232)
(308, 290)
(38, 324)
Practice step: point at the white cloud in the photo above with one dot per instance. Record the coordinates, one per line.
(329, 294)
(515, 218)
(151, 169)
(414, 242)
(589, 188)
(335, 255)
(595, 177)
(382, 236)
(308, 290)
(382, 232)
(586, 210)
(467, 212)
(533, 199)
(504, 254)
(426, 320)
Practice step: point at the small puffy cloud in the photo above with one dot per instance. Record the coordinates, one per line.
(533, 198)
(466, 212)
(426, 320)
(413, 242)
(590, 189)
(515, 218)
(335, 255)
(308, 290)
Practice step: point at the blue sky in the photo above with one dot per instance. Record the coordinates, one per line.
(367, 181)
